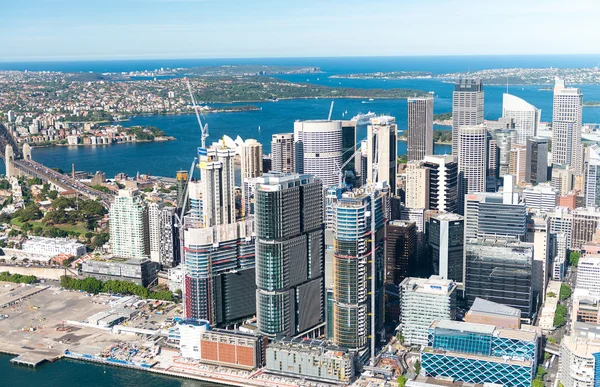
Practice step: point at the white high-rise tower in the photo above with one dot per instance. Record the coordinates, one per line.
(526, 116)
(566, 126)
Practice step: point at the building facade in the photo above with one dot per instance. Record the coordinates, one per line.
(445, 237)
(566, 126)
(537, 160)
(420, 128)
(525, 116)
(417, 185)
(467, 108)
(382, 151)
(443, 182)
(128, 222)
(401, 250)
(472, 161)
(282, 153)
(318, 149)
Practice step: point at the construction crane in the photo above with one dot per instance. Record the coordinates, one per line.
(330, 110)
(203, 128)
(340, 170)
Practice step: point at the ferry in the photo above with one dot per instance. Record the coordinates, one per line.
(364, 119)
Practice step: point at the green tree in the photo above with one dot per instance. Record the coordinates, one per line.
(401, 380)
(403, 159)
(537, 383)
(418, 367)
(52, 194)
(541, 371)
(574, 258)
(551, 294)
(565, 292)
(560, 316)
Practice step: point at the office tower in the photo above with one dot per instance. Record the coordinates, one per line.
(488, 312)
(472, 161)
(217, 187)
(467, 108)
(505, 138)
(219, 275)
(501, 271)
(416, 215)
(517, 164)
(538, 227)
(561, 222)
(541, 198)
(525, 116)
(382, 136)
(493, 159)
(349, 148)
(579, 364)
(128, 222)
(251, 167)
(164, 235)
(318, 149)
(290, 255)
(566, 126)
(417, 185)
(537, 160)
(481, 354)
(401, 250)
(562, 179)
(585, 223)
(592, 176)
(182, 181)
(358, 284)
(495, 214)
(443, 182)
(420, 128)
(446, 245)
(194, 217)
(282, 153)
(424, 301)
(558, 242)
(588, 274)
(362, 163)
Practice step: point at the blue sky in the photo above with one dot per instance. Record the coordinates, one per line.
(128, 29)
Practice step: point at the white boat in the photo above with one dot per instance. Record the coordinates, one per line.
(364, 119)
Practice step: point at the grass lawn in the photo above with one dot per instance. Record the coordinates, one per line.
(79, 228)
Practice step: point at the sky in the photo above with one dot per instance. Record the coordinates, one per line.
(148, 29)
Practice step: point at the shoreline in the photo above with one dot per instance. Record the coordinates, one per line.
(169, 138)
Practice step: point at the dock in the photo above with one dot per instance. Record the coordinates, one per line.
(35, 358)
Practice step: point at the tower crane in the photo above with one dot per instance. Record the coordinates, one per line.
(203, 129)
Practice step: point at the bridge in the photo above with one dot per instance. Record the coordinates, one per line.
(19, 163)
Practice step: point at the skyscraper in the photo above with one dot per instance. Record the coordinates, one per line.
(504, 140)
(349, 147)
(401, 250)
(318, 149)
(420, 128)
(164, 235)
(472, 161)
(290, 297)
(566, 126)
(467, 107)
(217, 187)
(537, 160)
(128, 222)
(517, 165)
(251, 160)
(282, 153)
(446, 245)
(592, 176)
(382, 135)
(417, 185)
(355, 246)
(525, 115)
(443, 182)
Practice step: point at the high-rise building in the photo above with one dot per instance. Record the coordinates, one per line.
(382, 136)
(537, 160)
(443, 182)
(585, 223)
(318, 149)
(517, 165)
(446, 245)
(592, 176)
(182, 182)
(525, 115)
(561, 222)
(472, 161)
(290, 255)
(217, 189)
(417, 185)
(164, 235)
(251, 161)
(481, 354)
(420, 128)
(588, 274)
(401, 250)
(416, 215)
(562, 179)
(282, 153)
(542, 197)
(505, 138)
(566, 126)
(424, 301)
(500, 271)
(349, 148)
(154, 210)
(493, 159)
(538, 227)
(128, 222)
(467, 108)
(579, 362)
(219, 275)
(358, 269)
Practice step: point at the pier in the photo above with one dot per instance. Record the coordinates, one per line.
(35, 358)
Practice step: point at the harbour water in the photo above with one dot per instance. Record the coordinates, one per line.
(164, 158)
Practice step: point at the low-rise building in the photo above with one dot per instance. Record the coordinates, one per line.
(492, 313)
(140, 271)
(53, 246)
(579, 365)
(310, 359)
(233, 348)
(190, 332)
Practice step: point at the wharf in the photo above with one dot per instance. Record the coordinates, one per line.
(35, 358)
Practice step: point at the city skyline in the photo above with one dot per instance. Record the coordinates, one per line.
(159, 29)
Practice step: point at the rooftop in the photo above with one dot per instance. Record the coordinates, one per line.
(483, 329)
(481, 305)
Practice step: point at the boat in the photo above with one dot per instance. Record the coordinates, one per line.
(364, 119)
(371, 99)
